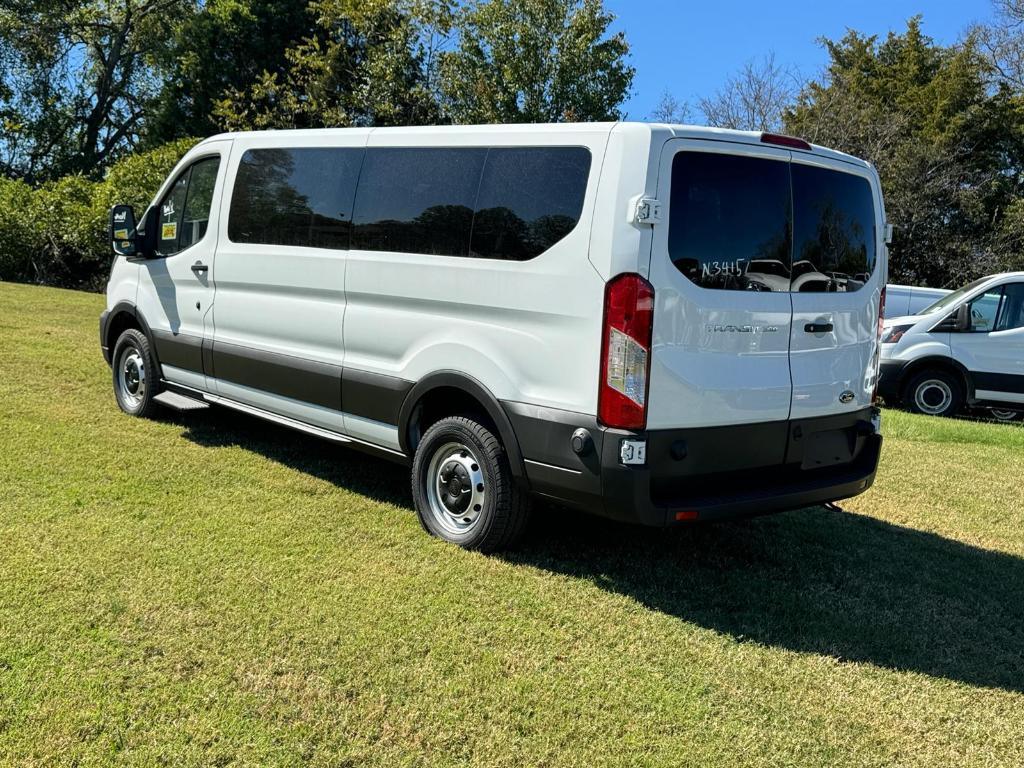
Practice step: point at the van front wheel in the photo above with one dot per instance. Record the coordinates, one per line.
(463, 487)
(135, 376)
(935, 393)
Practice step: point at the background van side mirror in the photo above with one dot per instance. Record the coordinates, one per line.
(962, 321)
(122, 230)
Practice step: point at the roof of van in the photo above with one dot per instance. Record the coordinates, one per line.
(666, 129)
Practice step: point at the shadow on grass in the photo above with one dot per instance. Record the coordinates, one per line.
(345, 467)
(818, 581)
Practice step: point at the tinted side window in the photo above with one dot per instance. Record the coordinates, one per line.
(171, 208)
(198, 202)
(417, 200)
(530, 198)
(1012, 314)
(729, 221)
(297, 197)
(833, 230)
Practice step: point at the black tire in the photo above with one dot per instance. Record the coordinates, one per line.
(1005, 416)
(934, 392)
(463, 487)
(135, 377)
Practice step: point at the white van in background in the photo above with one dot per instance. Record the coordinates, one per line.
(655, 323)
(903, 300)
(967, 348)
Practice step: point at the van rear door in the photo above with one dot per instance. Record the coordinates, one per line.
(767, 271)
(837, 280)
(720, 269)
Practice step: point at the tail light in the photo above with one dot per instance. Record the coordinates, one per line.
(626, 352)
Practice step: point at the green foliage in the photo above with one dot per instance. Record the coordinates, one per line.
(366, 63)
(530, 61)
(382, 62)
(227, 46)
(21, 240)
(57, 233)
(76, 80)
(947, 145)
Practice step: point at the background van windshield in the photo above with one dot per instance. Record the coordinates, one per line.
(950, 300)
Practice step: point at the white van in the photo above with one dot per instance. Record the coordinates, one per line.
(902, 300)
(967, 348)
(654, 323)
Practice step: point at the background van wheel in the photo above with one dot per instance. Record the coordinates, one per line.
(135, 376)
(463, 487)
(934, 393)
(1000, 414)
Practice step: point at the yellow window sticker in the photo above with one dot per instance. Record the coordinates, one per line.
(120, 234)
(169, 231)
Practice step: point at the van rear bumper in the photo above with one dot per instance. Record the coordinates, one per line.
(698, 474)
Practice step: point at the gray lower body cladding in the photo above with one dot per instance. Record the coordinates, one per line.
(706, 473)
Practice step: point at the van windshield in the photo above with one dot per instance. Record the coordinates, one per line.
(762, 224)
(950, 300)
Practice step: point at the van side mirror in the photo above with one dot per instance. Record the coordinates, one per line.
(963, 318)
(122, 230)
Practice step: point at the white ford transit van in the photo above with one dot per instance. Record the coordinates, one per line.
(967, 348)
(654, 323)
(902, 300)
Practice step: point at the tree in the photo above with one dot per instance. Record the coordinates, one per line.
(754, 99)
(529, 61)
(225, 47)
(947, 145)
(670, 110)
(1003, 42)
(366, 63)
(77, 80)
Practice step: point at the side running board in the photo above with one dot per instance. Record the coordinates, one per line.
(180, 402)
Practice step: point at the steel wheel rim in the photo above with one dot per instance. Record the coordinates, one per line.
(1004, 415)
(131, 376)
(933, 397)
(456, 489)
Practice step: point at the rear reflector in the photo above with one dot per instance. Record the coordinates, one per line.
(785, 141)
(625, 352)
(687, 514)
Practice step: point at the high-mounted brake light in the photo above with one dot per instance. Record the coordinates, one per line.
(625, 352)
(785, 141)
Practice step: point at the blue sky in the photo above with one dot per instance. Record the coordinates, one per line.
(690, 48)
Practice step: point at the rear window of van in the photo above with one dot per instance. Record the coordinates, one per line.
(759, 224)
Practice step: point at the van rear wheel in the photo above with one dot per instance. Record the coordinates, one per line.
(934, 393)
(463, 487)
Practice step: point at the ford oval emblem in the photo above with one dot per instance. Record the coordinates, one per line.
(847, 397)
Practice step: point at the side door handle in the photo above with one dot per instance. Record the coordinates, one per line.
(199, 268)
(818, 328)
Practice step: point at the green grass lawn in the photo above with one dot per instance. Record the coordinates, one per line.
(211, 590)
